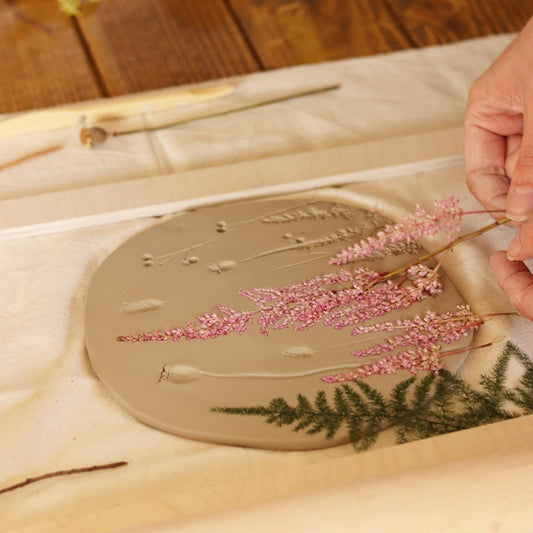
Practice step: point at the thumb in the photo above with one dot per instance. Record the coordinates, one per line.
(520, 196)
(516, 280)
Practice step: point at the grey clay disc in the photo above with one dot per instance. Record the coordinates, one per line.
(183, 267)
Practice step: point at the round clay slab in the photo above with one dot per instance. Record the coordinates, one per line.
(184, 267)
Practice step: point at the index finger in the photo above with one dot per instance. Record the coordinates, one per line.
(485, 153)
(516, 280)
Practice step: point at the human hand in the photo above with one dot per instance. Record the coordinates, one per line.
(499, 158)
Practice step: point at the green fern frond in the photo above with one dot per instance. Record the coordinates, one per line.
(433, 405)
(522, 394)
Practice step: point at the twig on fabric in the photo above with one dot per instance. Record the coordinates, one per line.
(28, 157)
(69, 472)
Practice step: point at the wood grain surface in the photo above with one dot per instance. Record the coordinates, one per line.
(431, 22)
(303, 31)
(140, 45)
(42, 61)
(126, 46)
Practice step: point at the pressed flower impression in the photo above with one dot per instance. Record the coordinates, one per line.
(217, 310)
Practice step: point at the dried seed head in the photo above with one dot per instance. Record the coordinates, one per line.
(91, 136)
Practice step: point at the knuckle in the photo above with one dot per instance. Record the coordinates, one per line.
(523, 301)
(523, 170)
(525, 237)
(518, 285)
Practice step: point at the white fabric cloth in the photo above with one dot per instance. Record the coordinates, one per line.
(54, 413)
(381, 96)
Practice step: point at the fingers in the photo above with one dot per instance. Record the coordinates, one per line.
(487, 149)
(485, 153)
(517, 282)
(490, 186)
(520, 199)
(521, 247)
(513, 150)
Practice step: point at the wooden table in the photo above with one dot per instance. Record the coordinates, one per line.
(126, 46)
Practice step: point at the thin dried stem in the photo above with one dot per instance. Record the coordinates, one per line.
(242, 107)
(48, 475)
(28, 157)
(468, 348)
(492, 315)
(91, 136)
(447, 247)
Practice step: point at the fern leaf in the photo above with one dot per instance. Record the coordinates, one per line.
(432, 405)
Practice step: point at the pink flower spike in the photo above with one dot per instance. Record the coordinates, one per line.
(304, 304)
(430, 328)
(339, 299)
(210, 327)
(446, 215)
(385, 297)
(423, 358)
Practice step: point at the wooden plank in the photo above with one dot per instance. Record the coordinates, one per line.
(42, 61)
(158, 195)
(445, 21)
(139, 45)
(285, 33)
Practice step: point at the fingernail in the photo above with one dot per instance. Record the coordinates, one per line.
(514, 249)
(520, 203)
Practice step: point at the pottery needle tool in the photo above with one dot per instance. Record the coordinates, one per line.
(28, 157)
(94, 135)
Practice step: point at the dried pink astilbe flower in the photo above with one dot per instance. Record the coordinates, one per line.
(386, 297)
(422, 333)
(303, 305)
(424, 358)
(336, 299)
(446, 215)
(211, 325)
(422, 330)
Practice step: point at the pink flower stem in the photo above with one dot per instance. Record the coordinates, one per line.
(468, 348)
(401, 280)
(490, 315)
(483, 212)
(447, 247)
(481, 318)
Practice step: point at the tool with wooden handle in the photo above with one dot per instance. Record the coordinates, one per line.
(94, 135)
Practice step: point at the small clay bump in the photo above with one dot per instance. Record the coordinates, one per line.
(298, 352)
(222, 266)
